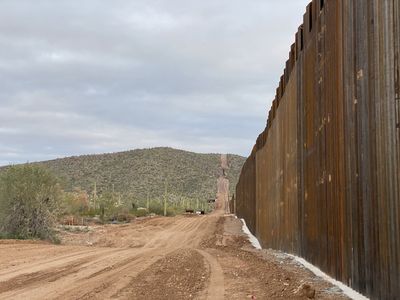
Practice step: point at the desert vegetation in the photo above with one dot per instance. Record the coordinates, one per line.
(141, 174)
(106, 188)
(32, 203)
(29, 203)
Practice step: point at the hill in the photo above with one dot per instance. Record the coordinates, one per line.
(146, 172)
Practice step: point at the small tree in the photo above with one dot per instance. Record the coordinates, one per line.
(29, 198)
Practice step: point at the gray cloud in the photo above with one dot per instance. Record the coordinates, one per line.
(101, 76)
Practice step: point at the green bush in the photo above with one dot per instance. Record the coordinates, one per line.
(141, 212)
(29, 198)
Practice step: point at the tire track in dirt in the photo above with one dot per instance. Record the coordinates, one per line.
(215, 289)
(105, 281)
(38, 283)
(22, 267)
(50, 263)
(49, 289)
(24, 256)
(27, 280)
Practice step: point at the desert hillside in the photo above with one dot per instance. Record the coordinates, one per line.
(143, 172)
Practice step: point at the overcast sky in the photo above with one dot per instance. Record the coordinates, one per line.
(91, 76)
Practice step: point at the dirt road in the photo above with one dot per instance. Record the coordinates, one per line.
(186, 257)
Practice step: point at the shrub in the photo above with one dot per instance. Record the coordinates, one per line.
(75, 203)
(29, 197)
(141, 212)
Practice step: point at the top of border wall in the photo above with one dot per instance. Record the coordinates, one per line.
(303, 37)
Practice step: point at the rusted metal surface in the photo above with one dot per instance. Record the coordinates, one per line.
(323, 179)
(246, 193)
(276, 173)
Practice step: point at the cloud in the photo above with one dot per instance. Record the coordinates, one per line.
(95, 76)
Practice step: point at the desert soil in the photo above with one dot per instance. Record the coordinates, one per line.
(184, 257)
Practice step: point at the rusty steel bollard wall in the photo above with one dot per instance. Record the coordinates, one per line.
(323, 179)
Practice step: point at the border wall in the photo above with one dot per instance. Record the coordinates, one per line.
(323, 179)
